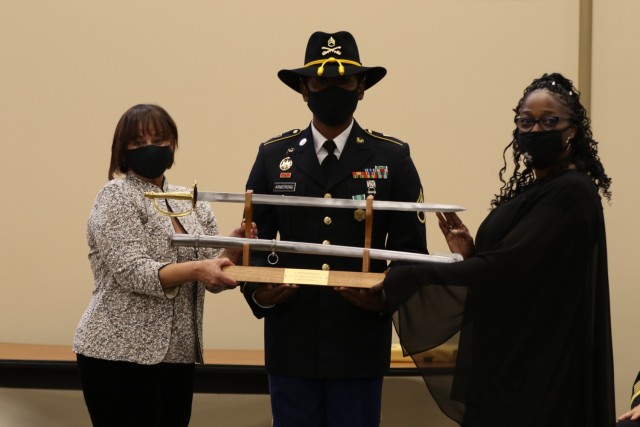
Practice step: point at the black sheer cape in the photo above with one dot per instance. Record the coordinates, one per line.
(531, 309)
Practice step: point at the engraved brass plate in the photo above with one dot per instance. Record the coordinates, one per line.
(306, 277)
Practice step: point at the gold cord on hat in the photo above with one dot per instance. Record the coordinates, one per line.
(322, 62)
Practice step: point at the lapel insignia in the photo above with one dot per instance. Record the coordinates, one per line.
(302, 142)
(286, 163)
(359, 140)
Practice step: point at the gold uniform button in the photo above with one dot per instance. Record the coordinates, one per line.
(325, 267)
(327, 195)
(326, 242)
(327, 220)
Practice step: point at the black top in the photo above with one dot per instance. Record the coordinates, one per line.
(317, 333)
(533, 309)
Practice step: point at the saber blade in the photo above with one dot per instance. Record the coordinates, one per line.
(270, 199)
(306, 248)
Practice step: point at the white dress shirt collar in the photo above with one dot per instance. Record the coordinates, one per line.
(340, 140)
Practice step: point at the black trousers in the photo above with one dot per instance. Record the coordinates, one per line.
(122, 394)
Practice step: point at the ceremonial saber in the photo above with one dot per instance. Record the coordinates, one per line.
(301, 201)
(193, 240)
(350, 279)
(363, 211)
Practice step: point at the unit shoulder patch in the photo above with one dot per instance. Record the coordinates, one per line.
(285, 135)
(382, 136)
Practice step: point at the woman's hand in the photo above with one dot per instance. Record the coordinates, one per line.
(456, 233)
(210, 273)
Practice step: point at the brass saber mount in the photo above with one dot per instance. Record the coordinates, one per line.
(175, 195)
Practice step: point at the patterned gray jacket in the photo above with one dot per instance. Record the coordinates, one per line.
(130, 316)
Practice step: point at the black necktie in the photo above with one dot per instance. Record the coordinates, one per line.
(329, 162)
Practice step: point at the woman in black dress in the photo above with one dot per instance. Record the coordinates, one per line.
(531, 298)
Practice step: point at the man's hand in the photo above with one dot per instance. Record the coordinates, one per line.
(269, 294)
(633, 414)
(368, 299)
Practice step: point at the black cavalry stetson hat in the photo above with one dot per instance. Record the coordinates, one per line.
(331, 55)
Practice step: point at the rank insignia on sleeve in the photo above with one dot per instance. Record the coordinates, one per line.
(421, 216)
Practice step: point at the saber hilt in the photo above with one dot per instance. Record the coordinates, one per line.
(175, 195)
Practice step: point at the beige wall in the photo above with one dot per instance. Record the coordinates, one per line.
(456, 69)
(616, 96)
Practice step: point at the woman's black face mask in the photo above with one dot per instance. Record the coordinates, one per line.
(541, 149)
(150, 161)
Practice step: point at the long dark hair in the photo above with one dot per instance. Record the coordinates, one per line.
(147, 118)
(584, 149)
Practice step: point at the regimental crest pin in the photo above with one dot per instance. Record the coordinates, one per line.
(286, 163)
(371, 186)
(331, 47)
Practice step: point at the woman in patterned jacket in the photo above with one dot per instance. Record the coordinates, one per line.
(139, 339)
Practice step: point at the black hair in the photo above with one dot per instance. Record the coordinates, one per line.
(584, 149)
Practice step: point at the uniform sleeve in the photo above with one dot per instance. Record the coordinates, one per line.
(265, 218)
(635, 392)
(406, 230)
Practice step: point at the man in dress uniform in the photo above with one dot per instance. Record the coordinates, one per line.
(327, 349)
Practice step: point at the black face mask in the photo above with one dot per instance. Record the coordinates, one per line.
(150, 161)
(334, 105)
(541, 149)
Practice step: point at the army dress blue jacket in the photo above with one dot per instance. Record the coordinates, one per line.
(317, 333)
